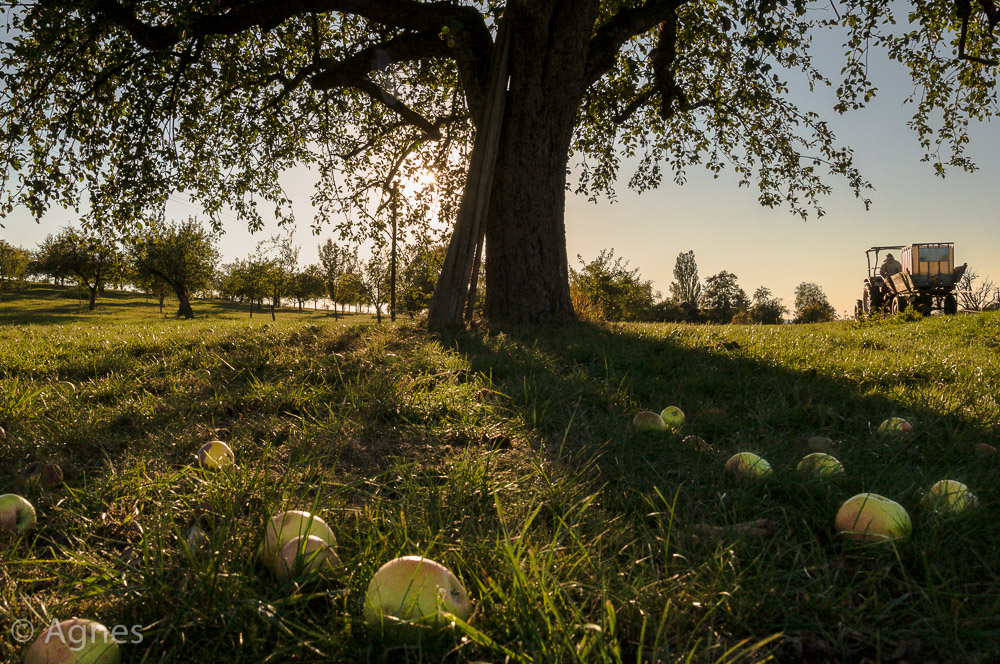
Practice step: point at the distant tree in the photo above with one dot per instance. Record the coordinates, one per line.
(308, 284)
(248, 280)
(276, 261)
(14, 263)
(610, 289)
(686, 286)
(336, 261)
(765, 308)
(419, 277)
(375, 280)
(977, 296)
(811, 305)
(351, 289)
(723, 298)
(91, 260)
(182, 255)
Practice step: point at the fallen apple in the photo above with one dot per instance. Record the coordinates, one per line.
(216, 454)
(820, 464)
(949, 497)
(672, 416)
(289, 525)
(647, 420)
(302, 556)
(412, 592)
(16, 513)
(698, 443)
(47, 474)
(74, 641)
(984, 449)
(748, 464)
(873, 518)
(895, 425)
(820, 443)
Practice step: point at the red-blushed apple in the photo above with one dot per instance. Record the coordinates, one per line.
(74, 642)
(647, 420)
(949, 497)
(216, 454)
(984, 450)
(748, 464)
(16, 513)
(873, 518)
(289, 525)
(895, 425)
(820, 464)
(304, 556)
(673, 417)
(410, 593)
(49, 475)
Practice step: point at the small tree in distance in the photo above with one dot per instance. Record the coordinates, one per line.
(611, 290)
(977, 297)
(723, 298)
(766, 309)
(811, 304)
(686, 286)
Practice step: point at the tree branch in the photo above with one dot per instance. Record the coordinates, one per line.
(624, 25)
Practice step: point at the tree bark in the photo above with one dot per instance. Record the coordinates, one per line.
(185, 305)
(93, 297)
(527, 272)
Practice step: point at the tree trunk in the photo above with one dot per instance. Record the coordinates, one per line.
(93, 297)
(185, 305)
(527, 272)
(162, 296)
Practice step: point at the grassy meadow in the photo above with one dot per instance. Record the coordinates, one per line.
(508, 456)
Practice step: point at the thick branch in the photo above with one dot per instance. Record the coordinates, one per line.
(471, 52)
(624, 25)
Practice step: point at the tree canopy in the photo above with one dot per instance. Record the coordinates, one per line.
(109, 107)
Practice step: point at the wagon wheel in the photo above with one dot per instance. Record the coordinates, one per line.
(859, 310)
(924, 304)
(950, 304)
(898, 304)
(870, 300)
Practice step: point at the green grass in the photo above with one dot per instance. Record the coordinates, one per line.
(507, 456)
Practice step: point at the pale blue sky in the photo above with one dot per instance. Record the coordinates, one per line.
(727, 228)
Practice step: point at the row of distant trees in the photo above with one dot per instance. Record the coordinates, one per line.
(608, 289)
(182, 259)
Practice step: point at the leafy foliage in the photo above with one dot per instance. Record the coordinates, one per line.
(182, 255)
(14, 263)
(766, 308)
(686, 286)
(611, 290)
(89, 258)
(812, 305)
(723, 298)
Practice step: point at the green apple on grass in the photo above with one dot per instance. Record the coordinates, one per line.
(820, 464)
(949, 497)
(673, 417)
(895, 425)
(305, 555)
(285, 527)
(74, 641)
(216, 454)
(748, 464)
(16, 513)
(870, 517)
(412, 593)
(647, 420)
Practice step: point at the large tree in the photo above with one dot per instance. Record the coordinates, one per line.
(122, 103)
(90, 259)
(182, 255)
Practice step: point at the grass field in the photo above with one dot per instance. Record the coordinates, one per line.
(507, 455)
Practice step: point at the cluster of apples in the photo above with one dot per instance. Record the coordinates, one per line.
(670, 418)
(406, 596)
(864, 517)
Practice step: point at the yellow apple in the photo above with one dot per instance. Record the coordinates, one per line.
(874, 518)
(16, 513)
(302, 556)
(216, 454)
(949, 497)
(285, 527)
(412, 592)
(748, 464)
(74, 642)
(647, 420)
(673, 417)
(820, 464)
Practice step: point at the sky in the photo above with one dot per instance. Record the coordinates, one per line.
(725, 226)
